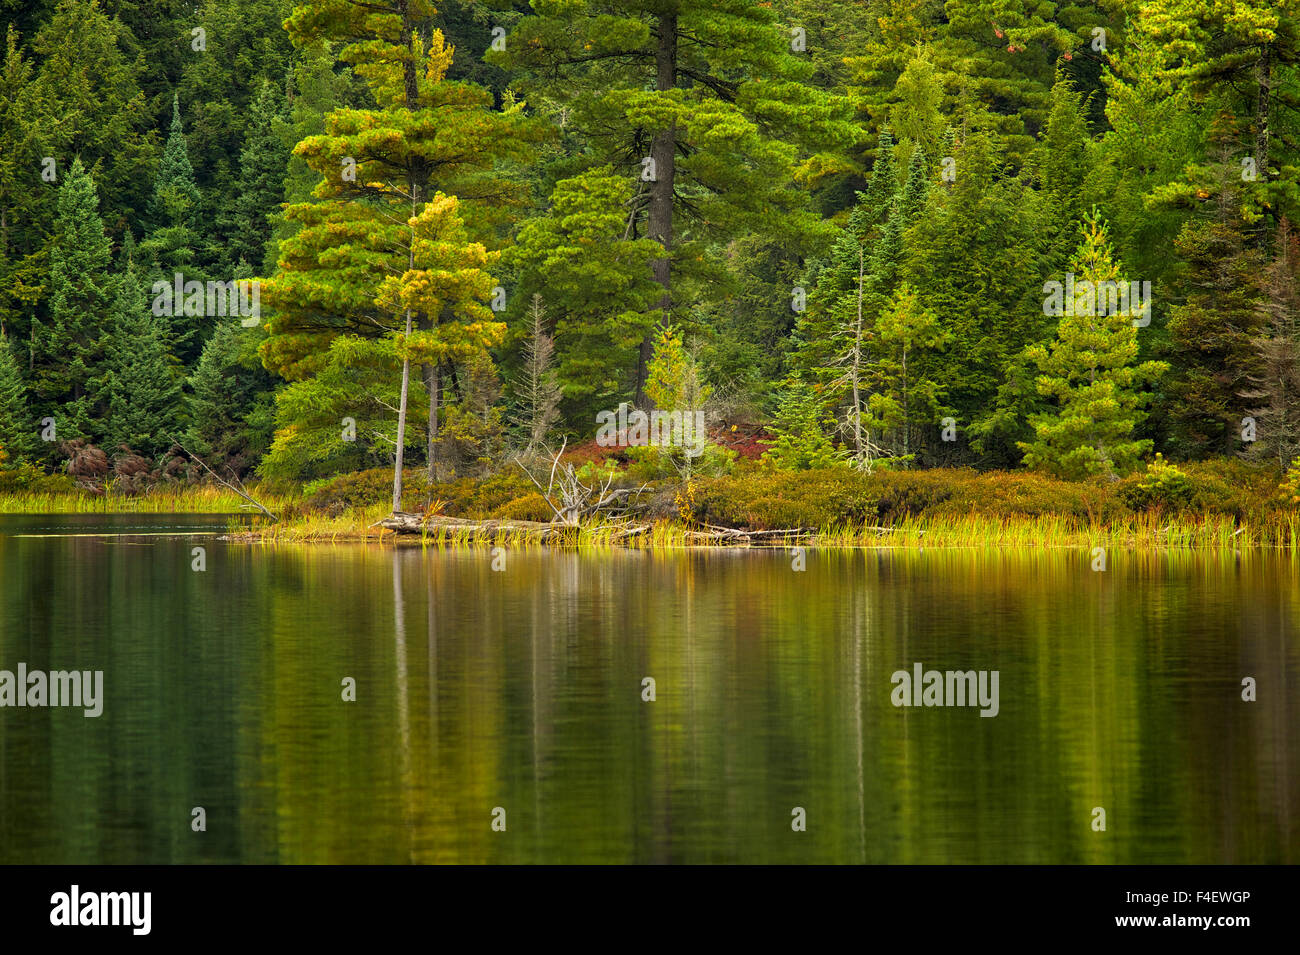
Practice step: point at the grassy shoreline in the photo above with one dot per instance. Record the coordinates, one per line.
(1152, 530)
(1222, 506)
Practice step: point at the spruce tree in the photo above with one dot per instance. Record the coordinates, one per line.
(262, 166)
(137, 386)
(175, 245)
(17, 426)
(230, 401)
(67, 352)
(1092, 372)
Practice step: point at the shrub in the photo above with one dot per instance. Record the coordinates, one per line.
(763, 500)
(27, 478)
(530, 507)
(364, 489)
(1161, 487)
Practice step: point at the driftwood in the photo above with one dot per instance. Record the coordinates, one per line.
(234, 484)
(438, 525)
(442, 527)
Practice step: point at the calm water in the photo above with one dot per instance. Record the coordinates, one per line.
(522, 689)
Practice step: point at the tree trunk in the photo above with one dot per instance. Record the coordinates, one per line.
(401, 425)
(663, 150)
(857, 366)
(433, 382)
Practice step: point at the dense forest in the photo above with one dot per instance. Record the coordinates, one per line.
(299, 240)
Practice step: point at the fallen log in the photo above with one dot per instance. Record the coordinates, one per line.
(442, 527)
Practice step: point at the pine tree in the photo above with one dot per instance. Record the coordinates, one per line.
(597, 285)
(17, 432)
(1091, 370)
(67, 353)
(1238, 53)
(379, 167)
(446, 280)
(176, 243)
(703, 101)
(137, 386)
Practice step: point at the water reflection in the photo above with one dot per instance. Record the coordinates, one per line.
(1119, 690)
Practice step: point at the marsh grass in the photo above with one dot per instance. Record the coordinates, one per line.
(181, 499)
(1272, 529)
(1141, 531)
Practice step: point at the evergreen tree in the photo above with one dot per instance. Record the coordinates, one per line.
(26, 203)
(1213, 329)
(262, 166)
(93, 88)
(231, 406)
(597, 286)
(379, 168)
(67, 352)
(17, 426)
(905, 399)
(703, 101)
(175, 245)
(799, 441)
(1274, 394)
(137, 386)
(1091, 370)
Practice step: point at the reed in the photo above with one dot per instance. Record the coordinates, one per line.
(1020, 532)
(181, 499)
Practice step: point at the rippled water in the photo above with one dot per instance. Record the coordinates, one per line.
(521, 689)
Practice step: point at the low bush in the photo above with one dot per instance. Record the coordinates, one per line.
(29, 479)
(762, 500)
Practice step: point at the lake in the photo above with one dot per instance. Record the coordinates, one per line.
(501, 713)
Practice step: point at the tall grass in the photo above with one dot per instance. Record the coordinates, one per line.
(189, 498)
(1141, 531)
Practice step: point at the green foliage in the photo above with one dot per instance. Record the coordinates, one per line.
(1162, 487)
(800, 442)
(1092, 372)
(68, 350)
(17, 426)
(29, 479)
(231, 405)
(596, 285)
(137, 384)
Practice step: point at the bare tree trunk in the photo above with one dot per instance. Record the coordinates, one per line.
(663, 151)
(401, 426)
(406, 380)
(433, 382)
(857, 365)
